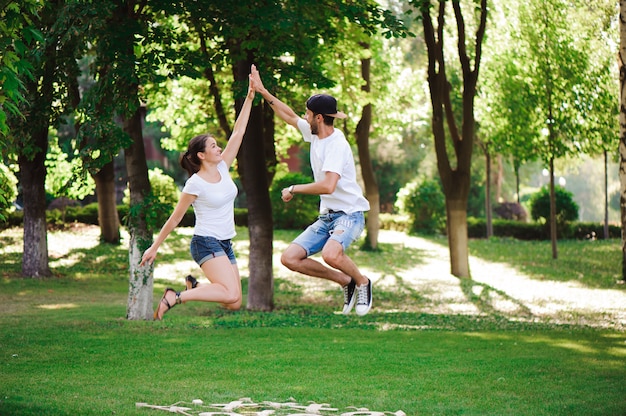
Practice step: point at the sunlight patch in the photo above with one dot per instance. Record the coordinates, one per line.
(246, 407)
(54, 306)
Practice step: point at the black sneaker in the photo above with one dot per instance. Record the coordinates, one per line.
(348, 297)
(191, 282)
(364, 298)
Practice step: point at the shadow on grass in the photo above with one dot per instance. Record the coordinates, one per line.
(485, 298)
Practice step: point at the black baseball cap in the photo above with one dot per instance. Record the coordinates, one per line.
(324, 104)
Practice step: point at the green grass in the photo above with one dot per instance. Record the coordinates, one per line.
(594, 263)
(66, 348)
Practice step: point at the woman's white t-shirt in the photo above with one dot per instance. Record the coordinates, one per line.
(333, 154)
(214, 206)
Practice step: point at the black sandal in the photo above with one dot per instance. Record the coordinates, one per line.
(191, 282)
(164, 300)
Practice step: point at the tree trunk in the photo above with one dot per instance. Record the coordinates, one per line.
(108, 217)
(622, 128)
(253, 172)
(499, 179)
(32, 180)
(365, 159)
(517, 182)
(606, 195)
(141, 282)
(553, 233)
(456, 210)
(488, 192)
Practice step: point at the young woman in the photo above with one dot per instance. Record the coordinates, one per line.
(212, 192)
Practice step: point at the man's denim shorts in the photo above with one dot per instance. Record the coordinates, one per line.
(206, 248)
(336, 225)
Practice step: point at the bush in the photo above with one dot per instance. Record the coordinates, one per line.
(299, 212)
(511, 211)
(8, 191)
(477, 228)
(566, 207)
(425, 205)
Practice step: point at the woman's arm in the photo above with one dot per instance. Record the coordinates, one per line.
(172, 222)
(234, 142)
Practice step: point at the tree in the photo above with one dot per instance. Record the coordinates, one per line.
(454, 178)
(544, 96)
(28, 136)
(622, 127)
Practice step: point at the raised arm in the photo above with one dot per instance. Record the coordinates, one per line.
(234, 142)
(281, 109)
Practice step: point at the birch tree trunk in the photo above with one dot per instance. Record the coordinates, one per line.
(141, 282)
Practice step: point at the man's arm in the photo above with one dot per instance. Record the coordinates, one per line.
(281, 109)
(325, 186)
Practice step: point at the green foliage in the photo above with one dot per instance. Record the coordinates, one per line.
(424, 203)
(298, 213)
(8, 191)
(566, 207)
(65, 175)
(165, 195)
(17, 34)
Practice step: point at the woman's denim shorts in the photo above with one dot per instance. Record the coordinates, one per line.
(205, 248)
(336, 225)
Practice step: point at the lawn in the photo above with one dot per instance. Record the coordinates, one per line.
(66, 348)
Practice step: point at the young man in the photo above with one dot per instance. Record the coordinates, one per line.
(341, 220)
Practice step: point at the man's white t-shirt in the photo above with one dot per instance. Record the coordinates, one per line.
(214, 206)
(333, 154)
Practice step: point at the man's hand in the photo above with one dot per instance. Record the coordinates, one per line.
(286, 195)
(255, 79)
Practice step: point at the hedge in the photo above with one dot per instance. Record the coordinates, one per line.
(476, 227)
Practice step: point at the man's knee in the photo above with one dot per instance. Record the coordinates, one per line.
(288, 260)
(332, 253)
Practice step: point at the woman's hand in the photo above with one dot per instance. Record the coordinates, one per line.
(148, 256)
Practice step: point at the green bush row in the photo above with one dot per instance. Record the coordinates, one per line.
(88, 214)
(476, 227)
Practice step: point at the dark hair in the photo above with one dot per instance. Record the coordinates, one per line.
(190, 161)
(328, 120)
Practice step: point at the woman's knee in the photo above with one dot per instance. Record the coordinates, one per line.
(232, 306)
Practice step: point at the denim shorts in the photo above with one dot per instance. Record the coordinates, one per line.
(205, 248)
(336, 225)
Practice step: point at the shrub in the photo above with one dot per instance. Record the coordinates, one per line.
(297, 213)
(566, 207)
(425, 204)
(510, 211)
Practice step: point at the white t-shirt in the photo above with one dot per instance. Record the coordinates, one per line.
(333, 154)
(214, 206)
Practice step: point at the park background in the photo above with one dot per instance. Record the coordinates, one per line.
(100, 98)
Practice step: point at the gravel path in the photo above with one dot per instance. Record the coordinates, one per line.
(506, 290)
